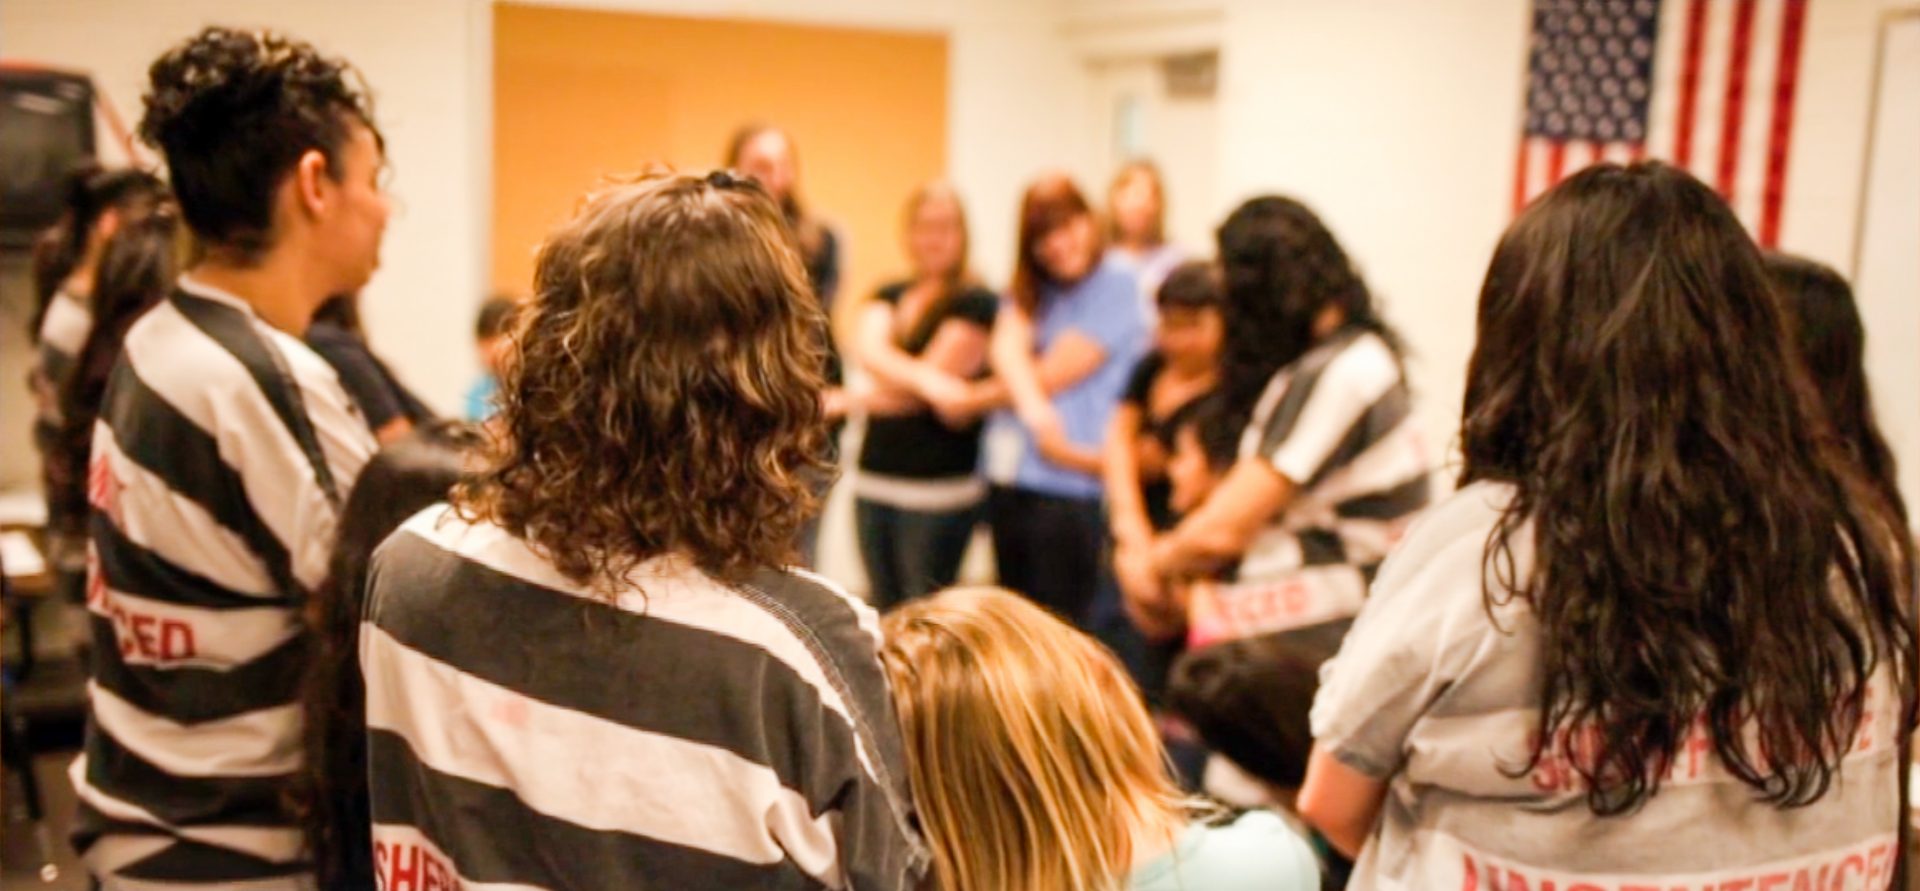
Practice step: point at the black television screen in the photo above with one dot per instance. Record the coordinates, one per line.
(46, 127)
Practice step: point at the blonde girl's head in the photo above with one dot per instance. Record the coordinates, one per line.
(1033, 760)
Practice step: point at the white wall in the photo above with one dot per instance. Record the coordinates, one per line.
(1398, 121)
(427, 63)
(1887, 277)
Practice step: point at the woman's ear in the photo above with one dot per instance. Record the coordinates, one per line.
(309, 178)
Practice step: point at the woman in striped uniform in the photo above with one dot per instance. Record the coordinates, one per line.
(594, 669)
(222, 448)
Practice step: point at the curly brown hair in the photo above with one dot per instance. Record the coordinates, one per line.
(665, 396)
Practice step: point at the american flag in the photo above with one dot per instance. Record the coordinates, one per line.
(1706, 85)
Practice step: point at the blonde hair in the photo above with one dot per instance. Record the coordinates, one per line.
(1033, 761)
(1157, 233)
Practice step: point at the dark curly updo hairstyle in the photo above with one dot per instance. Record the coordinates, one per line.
(1703, 549)
(665, 392)
(1281, 267)
(233, 111)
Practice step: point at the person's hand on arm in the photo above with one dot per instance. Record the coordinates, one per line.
(940, 377)
(1221, 529)
(1012, 356)
(1070, 359)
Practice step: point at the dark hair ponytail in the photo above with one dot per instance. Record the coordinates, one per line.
(329, 796)
(90, 191)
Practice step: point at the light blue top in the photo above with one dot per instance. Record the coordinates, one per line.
(1105, 308)
(1257, 852)
(481, 402)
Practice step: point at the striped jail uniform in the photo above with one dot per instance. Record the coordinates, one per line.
(62, 336)
(221, 453)
(525, 732)
(1338, 424)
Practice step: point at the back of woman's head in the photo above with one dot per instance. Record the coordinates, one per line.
(1635, 380)
(1281, 268)
(1834, 345)
(665, 395)
(1031, 754)
(400, 480)
(233, 111)
(92, 192)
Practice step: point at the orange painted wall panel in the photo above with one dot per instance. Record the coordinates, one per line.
(579, 95)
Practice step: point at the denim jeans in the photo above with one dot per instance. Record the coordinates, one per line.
(911, 553)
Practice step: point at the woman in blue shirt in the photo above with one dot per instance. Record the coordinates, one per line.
(1070, 329)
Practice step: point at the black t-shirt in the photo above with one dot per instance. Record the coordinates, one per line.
(379, 395)
(918, 446)
(1157, 491)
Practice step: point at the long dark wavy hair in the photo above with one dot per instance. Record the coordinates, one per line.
(1635, 381)
(1834, 345)
(330, 794)
(1281, 267)
(665, 392)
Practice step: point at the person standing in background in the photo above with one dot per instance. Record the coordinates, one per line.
(1834, 345)
(1069, 332)
(918, 489)
(66, 261)
(492, 343)
(766, 154)
(1164, 392)
(136, 271)
(223, 450)
(337, 334)
(1136, 228)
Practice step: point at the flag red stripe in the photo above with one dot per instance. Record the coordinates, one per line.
(1638, 150)
(1520, 176)
(1736, 103)
(1786, 78)
(1690, 82)
(1556, 162)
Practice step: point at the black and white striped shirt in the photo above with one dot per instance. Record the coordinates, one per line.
(63, 333)
(525, 732)
(1338, 424)
(220, 453)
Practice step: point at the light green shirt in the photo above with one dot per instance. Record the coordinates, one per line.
(1257, 852)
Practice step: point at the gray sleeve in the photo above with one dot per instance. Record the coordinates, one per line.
(1414, 640)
